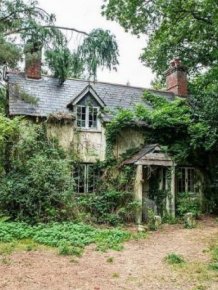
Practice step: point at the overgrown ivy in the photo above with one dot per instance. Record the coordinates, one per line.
(171, 123)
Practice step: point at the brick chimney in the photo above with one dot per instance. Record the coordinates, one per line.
(33, 60)
(176, 78)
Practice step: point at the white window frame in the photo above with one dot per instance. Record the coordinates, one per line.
(87, 120)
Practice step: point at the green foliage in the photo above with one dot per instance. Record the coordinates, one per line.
(64, 64)
(112, 207)
(99, 50)
(169, 219)
(184, 29)
(9, 129)
(19, 93)
(175, 28)
(174, 259)
(34, 25)
(214, 253)
(151, 220)
(70, 238)
(173, 124)
(187, 203)
(27, 20)
(37, 184)
(122, 119)
(113, 201)
(9, 53)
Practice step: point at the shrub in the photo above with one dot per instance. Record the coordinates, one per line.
(111, 207)
(188, 203)
(38, 186)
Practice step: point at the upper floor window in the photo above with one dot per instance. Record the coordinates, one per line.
(87, 117)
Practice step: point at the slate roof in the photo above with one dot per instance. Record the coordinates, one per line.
(53, 98)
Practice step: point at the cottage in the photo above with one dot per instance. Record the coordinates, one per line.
(77, 113)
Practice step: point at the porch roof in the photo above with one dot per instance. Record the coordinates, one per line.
(151, 154)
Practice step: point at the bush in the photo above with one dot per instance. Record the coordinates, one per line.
(111, 207)
(38, 186)
(188, 203)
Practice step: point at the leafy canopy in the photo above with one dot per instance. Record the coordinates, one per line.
(184, 28)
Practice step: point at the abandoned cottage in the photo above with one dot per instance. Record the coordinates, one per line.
(82, 110)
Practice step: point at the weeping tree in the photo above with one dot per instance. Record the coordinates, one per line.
(21, 21)
(98, 50)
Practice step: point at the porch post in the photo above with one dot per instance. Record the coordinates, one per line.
(173, 192)
(138, 192)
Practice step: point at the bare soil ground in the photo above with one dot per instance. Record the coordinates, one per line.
(140, 265)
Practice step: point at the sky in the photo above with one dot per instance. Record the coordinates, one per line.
(86, 15)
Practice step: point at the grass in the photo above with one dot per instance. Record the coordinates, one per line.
(196, 272)
(18, 245)
(70, 238)
(214, 255)
(174, 259)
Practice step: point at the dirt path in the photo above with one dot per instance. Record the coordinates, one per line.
(139, 266)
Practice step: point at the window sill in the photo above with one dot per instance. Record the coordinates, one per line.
(88, 130)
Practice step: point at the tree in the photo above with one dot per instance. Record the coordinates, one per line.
(187, 29)
(99, 49)
(21, 21)
(184, 28)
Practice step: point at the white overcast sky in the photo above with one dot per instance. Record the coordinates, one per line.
(86, 15)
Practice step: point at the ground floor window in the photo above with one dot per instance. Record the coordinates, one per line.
(86, 177)
(185, 179)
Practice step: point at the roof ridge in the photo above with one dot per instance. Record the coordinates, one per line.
(101, 82)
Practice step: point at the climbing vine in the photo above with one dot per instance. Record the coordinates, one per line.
(172, 124)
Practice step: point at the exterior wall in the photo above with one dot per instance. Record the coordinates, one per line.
(128, 139)
(88, 145)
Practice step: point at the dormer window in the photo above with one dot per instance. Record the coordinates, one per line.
(86, 107)
(87, 117)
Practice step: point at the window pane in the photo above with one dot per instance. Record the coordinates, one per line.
(190, 181)
(93, 175)
(185, 180)
(181, 180)
(81, 116)
(93, 112)
(79, 178)
(86, 177)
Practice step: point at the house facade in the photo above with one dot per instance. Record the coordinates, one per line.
(77, 114)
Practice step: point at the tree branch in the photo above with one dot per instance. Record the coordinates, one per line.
(45, 26)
